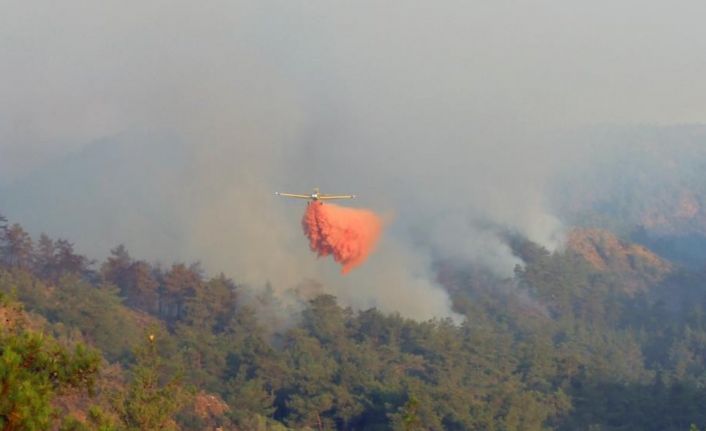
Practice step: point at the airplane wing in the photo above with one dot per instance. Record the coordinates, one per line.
(329, 197)
(291, 195)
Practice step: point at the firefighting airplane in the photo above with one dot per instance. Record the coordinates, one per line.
(315, 196)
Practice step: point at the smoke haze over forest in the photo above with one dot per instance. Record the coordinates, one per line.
(168, 125)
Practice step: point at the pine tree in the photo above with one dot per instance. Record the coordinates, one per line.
(44, 258)
(32, 369)
(152, 399)
(16, 248)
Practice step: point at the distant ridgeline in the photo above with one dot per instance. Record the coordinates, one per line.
(647, 184)
(602, 335)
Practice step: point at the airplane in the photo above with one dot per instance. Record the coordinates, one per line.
(315, 196)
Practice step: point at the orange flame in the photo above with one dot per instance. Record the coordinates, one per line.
(348, 234)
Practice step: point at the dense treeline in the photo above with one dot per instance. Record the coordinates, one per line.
(561, 345)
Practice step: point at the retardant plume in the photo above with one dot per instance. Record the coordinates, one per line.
(348, 234)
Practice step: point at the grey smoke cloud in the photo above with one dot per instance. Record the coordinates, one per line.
(167, 125)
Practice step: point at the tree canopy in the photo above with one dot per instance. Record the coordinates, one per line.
(562, 345)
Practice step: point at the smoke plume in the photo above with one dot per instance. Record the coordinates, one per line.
(168, 128)
(347, 234)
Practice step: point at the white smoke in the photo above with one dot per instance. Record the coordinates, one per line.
(167, 125)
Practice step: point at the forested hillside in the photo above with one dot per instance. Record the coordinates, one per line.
(645, 182)
(603, 335)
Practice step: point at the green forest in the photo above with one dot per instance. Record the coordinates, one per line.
(601, 335)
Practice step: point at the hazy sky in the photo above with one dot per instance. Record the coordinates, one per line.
(436, 113)
(74, 71)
